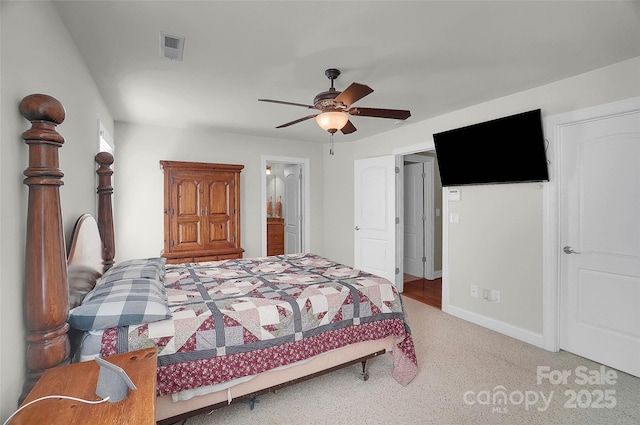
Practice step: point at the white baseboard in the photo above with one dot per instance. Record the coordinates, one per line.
(436, 274)
(516, 332)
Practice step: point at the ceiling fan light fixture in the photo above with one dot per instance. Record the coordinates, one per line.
(332, 120)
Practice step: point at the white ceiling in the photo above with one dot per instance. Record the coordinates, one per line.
(430, 57)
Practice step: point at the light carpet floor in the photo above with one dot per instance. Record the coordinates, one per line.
(461, 368)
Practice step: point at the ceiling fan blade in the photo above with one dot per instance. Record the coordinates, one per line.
(397, 114)
(348, 128)
(297, 121)
(353, 93)
(287, 103)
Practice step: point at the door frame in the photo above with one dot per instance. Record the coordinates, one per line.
(305, 201)
(400, 153)
(551, 211)
(427, 210)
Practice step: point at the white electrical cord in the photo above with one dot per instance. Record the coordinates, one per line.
(55, 396)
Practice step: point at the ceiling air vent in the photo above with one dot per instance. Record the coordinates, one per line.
(171, 46)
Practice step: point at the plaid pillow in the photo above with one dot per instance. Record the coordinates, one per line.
(146, 268)
(121, 303)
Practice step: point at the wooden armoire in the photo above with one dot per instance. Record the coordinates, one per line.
(201, 211)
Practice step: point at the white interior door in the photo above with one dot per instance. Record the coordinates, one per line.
(600, 239)
(414, 241)
(292, 209)
(375, 221)
(418, 216)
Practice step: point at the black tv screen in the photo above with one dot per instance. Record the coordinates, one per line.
(505, 150)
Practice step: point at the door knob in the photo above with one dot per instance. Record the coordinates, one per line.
(568, 250)
(357, 228)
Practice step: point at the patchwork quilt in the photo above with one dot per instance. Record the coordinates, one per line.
(237, 318)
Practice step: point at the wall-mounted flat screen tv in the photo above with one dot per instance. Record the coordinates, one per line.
(505, 150)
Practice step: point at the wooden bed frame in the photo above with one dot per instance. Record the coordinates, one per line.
(46, 286)
(46, 289)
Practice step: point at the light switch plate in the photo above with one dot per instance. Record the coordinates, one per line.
(454, 194)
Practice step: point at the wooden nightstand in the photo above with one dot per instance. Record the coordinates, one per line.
(79, 380)
(275, 236)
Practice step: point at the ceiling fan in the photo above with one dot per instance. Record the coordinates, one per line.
(335, 107)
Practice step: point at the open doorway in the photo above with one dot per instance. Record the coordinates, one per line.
(422, 228)
(285, 214)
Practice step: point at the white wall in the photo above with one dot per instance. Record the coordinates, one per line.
(338, 182)
(498, 245)
(139, 185)
(38, 56)
(503, 222)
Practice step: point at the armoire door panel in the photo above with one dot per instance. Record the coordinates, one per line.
(218, 232)
(219, 196)
(188, 236)
(187, 196)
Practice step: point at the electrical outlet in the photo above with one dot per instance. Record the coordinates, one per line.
(474, 291)
(495, 295)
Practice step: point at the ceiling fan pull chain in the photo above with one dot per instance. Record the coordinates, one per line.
(330, 143)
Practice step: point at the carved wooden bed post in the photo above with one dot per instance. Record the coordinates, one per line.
(105, 210)
(46, 290)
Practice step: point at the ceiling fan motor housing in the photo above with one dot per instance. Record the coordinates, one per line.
(325, 100)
